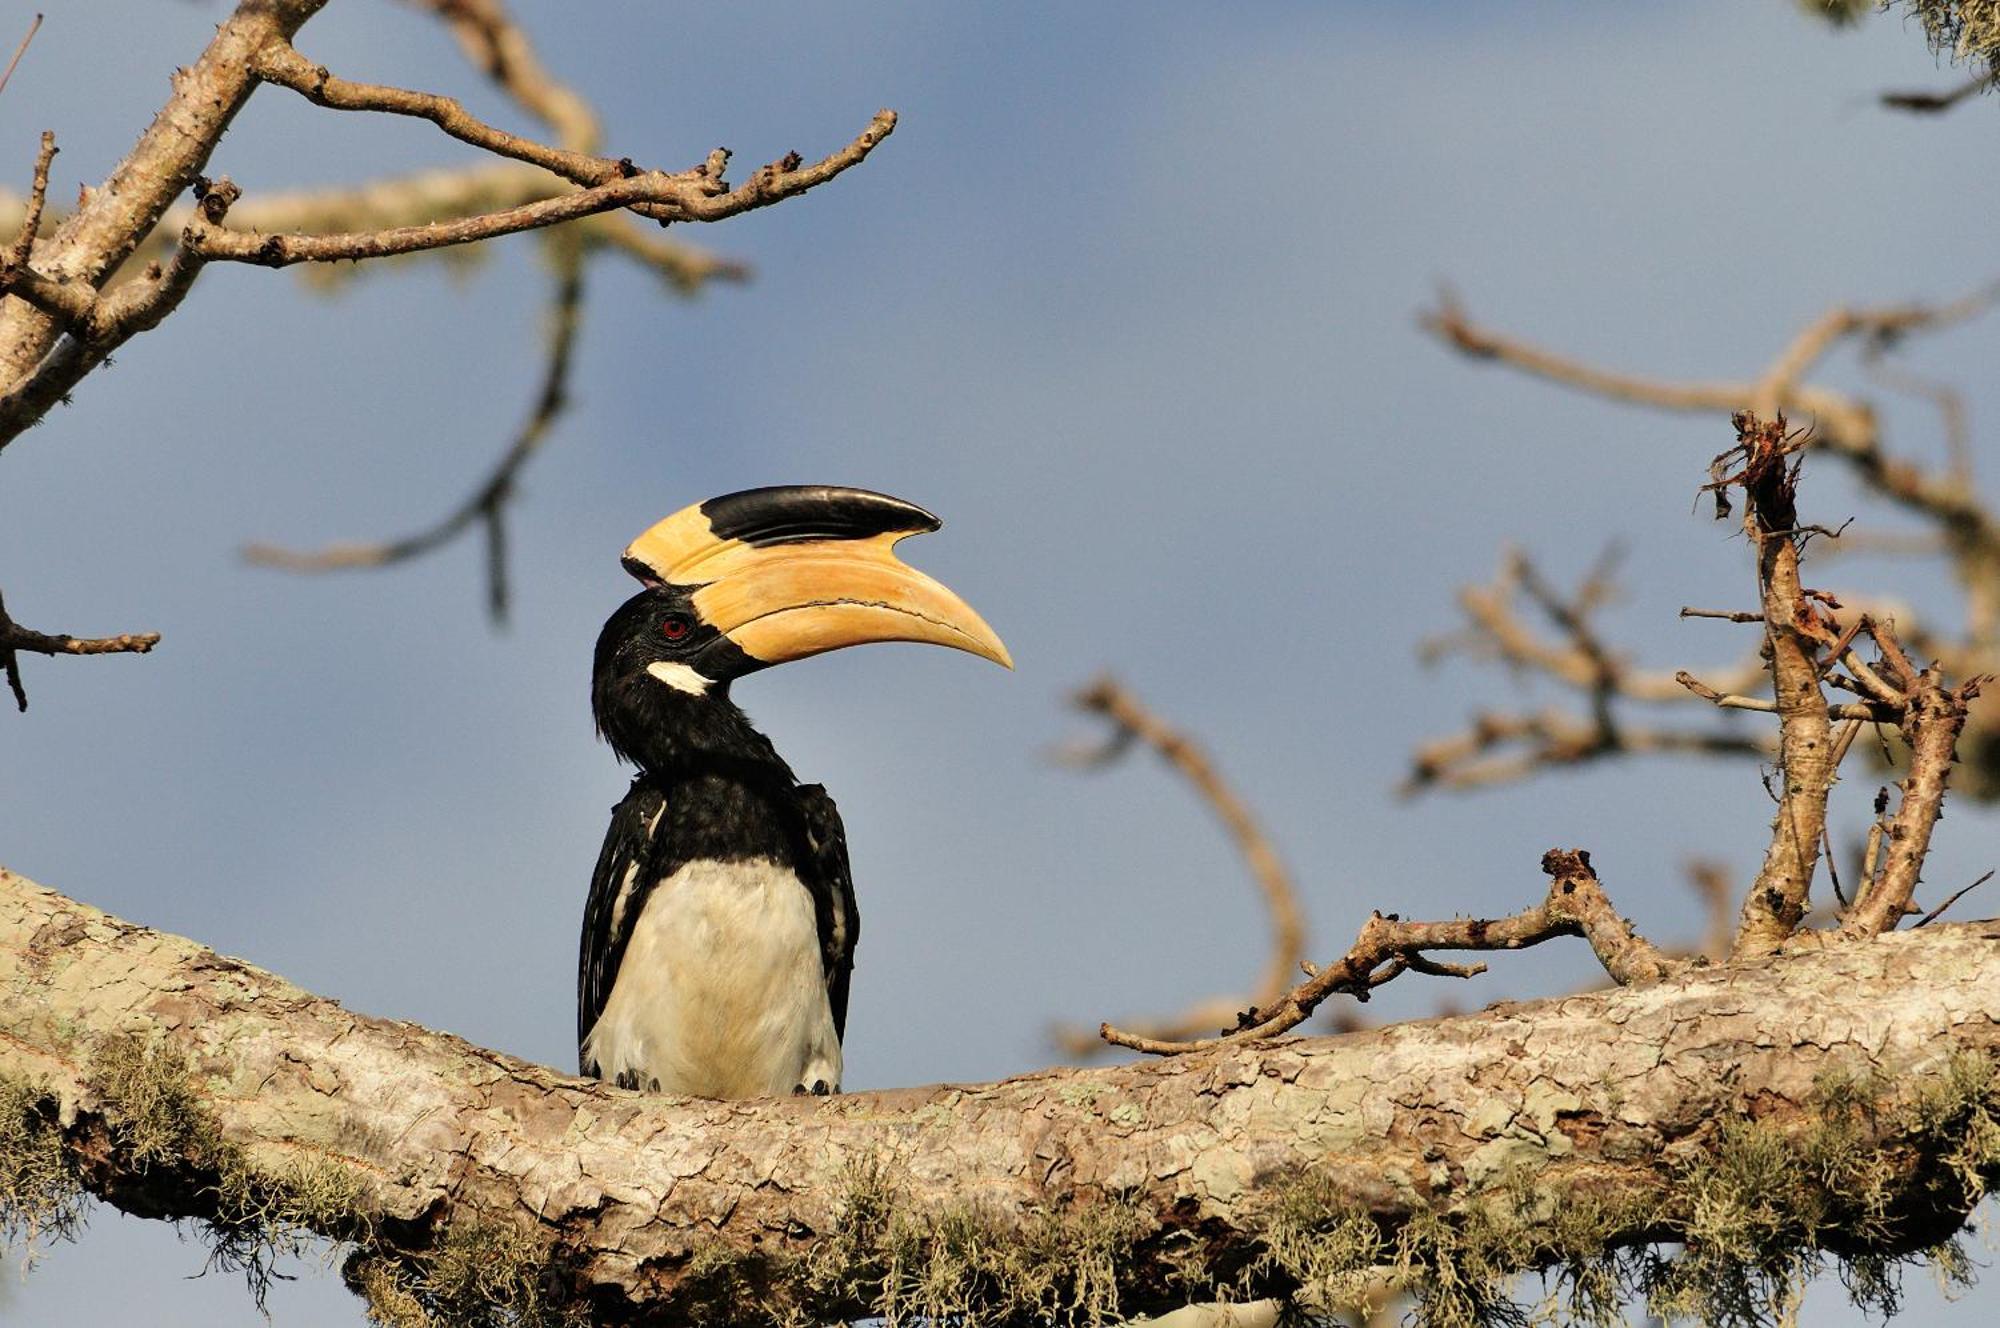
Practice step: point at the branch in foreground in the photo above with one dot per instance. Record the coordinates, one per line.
(1131, 721)
(1442, 1156)
(1389, 946)
(15, 638)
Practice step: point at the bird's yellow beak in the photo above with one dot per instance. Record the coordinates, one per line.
(801, 569)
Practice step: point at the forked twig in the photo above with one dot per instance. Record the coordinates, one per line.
(1388, 946)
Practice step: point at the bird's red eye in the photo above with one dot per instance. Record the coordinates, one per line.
(675, 628)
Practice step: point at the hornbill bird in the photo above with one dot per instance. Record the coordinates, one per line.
(720, 930)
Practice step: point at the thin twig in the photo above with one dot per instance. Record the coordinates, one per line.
(499, 48)
(1932, 916)
(484, 504)
(15, 638)
(1550, 739)
(1133, 722)
(699, 194)
(38, 193)
(21, 50)
(1860, 710)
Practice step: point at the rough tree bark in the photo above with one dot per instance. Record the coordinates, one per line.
(1610, 1102)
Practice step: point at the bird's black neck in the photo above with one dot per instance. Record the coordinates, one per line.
(730, 796)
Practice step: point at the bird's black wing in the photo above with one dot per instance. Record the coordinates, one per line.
(607, 926)
(825, 873)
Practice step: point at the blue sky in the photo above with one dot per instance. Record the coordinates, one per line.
(1129, 299)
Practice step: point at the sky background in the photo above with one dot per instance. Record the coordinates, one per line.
(1130, 300)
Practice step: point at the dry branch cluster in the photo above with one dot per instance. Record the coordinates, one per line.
(77, 285)
(1806, 650)
(1501, 746)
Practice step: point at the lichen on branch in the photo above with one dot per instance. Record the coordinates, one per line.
(174, 1082)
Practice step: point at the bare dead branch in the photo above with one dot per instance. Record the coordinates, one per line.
(1843, 425)
(498, 47)
(1549, 739)
(1778, 898)
(284, 66)
(1577, 659)
(627, 1198)
(79, 300)
(1133, 722)
(38, 194)
(1878, 713)
(1932, 719)
(15, 638)
(487, 501)
(1575, 906)
(698, 194)
(1726, 615)
(421, 198)
(1956, 895)
(1450, 324)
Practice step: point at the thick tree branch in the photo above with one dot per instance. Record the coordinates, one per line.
(1131, 1189)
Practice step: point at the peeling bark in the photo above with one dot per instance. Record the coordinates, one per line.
(1597, 1098)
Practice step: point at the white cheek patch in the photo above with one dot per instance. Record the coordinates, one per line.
(680, 677)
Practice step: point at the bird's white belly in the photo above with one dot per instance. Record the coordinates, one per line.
(721, 992)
